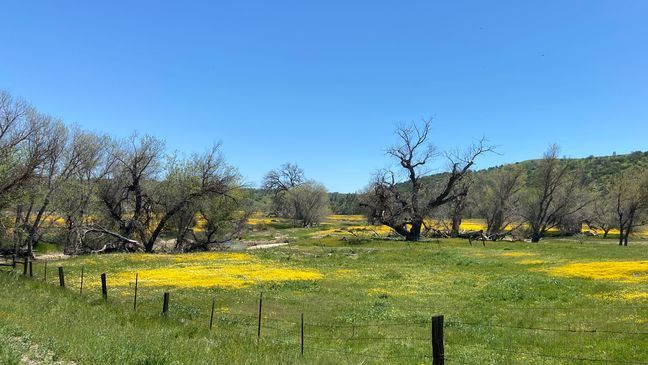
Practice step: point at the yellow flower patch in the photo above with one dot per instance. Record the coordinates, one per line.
(355, 230)
(223, 276)
(208, 269)
(630, 271)
(344, 273)
(516, 254)
(472, 225)
(254, 221)
(348, 218)
(213, 256)
(638, 295)
(635, 296)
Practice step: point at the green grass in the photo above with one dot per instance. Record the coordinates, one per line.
(372, 305)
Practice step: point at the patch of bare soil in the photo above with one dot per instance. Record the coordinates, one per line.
(32, 353)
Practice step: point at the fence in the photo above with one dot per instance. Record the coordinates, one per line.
(313, 337)
(27, 265)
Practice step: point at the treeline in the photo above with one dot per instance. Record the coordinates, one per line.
(529, 199)
(597, 171)
(91, 192)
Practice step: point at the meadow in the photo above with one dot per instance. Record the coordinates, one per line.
(366, 298)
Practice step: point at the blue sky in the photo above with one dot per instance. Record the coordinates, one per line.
(322, 84)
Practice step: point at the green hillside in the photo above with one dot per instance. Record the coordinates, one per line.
(597, 169)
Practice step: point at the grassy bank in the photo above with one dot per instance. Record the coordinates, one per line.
(364, 301)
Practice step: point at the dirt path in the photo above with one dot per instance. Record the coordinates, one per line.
(267, 245)
(52, 256)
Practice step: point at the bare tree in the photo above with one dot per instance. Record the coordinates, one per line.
(284, 178)
(124, 191)
(60, 164)
(303, 200)
(279, 182)
(308, 203)
(602, 213)
(496, 197)
(24, 144)
(29, 143)
(221, 218)
(201, 177)
(552, 195)
(630, 194)
(404, 207)
(458, 206)
(76, 200)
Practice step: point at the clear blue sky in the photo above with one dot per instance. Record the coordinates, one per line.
(322, 83)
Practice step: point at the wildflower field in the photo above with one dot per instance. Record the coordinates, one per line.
(365, 298)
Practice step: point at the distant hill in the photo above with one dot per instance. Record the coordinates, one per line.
(596, 168)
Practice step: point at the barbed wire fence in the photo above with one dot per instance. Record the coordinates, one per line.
(429, 344)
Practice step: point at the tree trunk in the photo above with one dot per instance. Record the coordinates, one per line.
(535, 237)
(414, 233)
(456, 224)
(627, 235)
(148, 245)
(494, 225)
(18, 229)
(33, 232)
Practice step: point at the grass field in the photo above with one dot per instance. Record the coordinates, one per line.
(365, 300)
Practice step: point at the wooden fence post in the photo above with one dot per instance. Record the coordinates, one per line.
(61, 277)
(259, 323)
(211, 318)
(302, 334)
(437, 340)
(25, 264)
(81, 287)
(165, 304)
(104, 287)
(135, 296)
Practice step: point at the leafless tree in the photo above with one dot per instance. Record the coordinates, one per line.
(284, 178)
(630, 194)
(458, 206)
(222, 218)
(404, 207)
(496, 197)
(602, 213)
(125, 190)
(303, 200)
(30, 143)
(76, 199)
(200, 177)
(60, 164)
(552, 195)
(279, 182)
(24, 144)
(308, 203)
